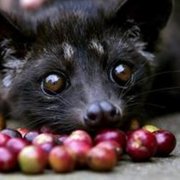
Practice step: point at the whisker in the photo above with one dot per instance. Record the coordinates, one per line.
(158, 90)
(156, 75)
(34, 123)
(65, 101)
(145, 103)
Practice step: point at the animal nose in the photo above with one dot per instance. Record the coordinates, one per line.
(102, 113)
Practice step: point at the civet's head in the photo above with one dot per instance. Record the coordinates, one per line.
(80, 65)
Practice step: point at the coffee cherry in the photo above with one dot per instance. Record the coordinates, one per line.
(166, 142)
(80, 135)
(32, 160)
(23, 131)
(4, 139)
(134, 124)
(78, 150)
(141, 145)
(43, 138)
(11, 132)
(61, 160)
(59, 139)
(111, 134)
(150, 128)
(7, 160)
(29, 136)
(101, 159)
(112, 145)
(15, 145)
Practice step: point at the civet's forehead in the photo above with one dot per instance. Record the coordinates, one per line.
(96, 46)
(69, 49)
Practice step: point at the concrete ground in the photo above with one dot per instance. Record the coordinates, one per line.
(158, 169)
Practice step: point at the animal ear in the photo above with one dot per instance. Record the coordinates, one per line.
(149, 15)
(14, 44)
(9, 27)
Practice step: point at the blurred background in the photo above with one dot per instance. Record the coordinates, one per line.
(167, 82)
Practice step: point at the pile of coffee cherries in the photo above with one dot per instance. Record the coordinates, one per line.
(32, 152)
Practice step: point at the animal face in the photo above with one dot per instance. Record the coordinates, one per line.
(81, 69)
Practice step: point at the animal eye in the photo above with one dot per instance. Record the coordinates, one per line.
(53, 84)
(122, 74)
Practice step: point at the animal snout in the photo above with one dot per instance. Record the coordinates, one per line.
(101, 114)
